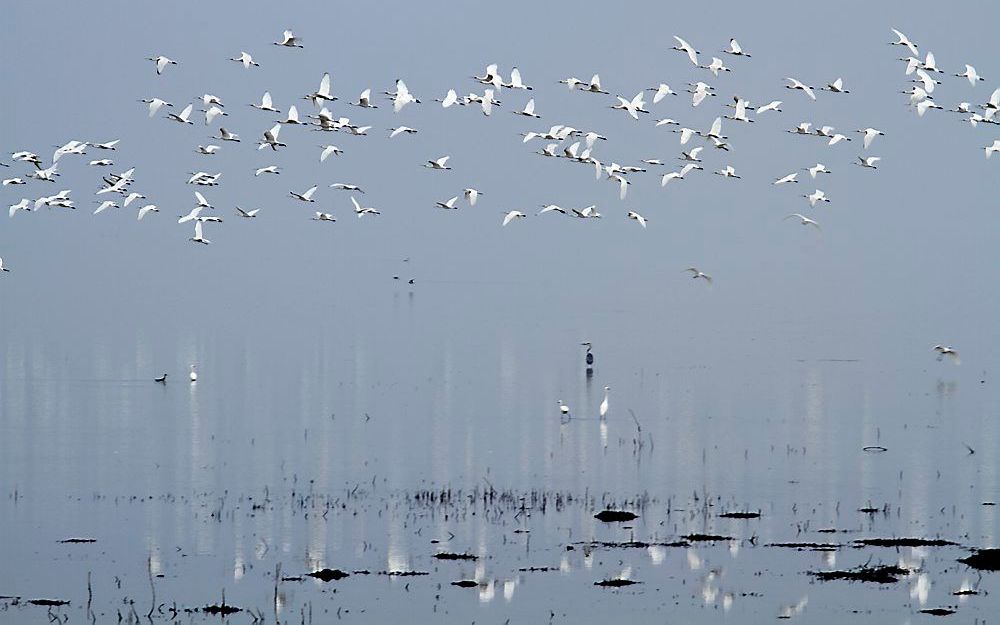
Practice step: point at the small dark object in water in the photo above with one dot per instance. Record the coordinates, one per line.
(48, 602)
(965, 592)
(403, 573)
(740, 515)
(937, 611)
(874, 449)
(810, 546)
(538, 569)
(881, 574)
(615, 583)
(637, 544)
(989, 503)
(294, 578)
(328, 575)
(162, 379)
(77, 541)
(444, 555)
(869, 510)
(984, 559)
(221, 610)
(465, 583)
(615, 516)
(361, 572)
(904, 542)
(706, 537)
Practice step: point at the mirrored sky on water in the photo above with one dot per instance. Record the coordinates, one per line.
(327, 386)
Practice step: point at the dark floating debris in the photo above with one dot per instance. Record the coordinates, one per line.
(740, 515)
(538, 569)
(881, 574)
(904, 542)
(328, 575)
(48, 602)
(870, 510)
(293, 578)
(635, 544)
(465, 583)
(874, 449)
(221, 609)
(615, 516)
(706, 537)
(445, 555)
(615, 583)
(938, 611)
(809, 546)
(984, 559)
(77, 541)
(403, 573)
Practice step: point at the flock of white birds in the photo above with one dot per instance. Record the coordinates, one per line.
(560, 141)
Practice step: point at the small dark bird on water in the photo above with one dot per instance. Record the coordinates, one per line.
(590, 356)
(162, 379)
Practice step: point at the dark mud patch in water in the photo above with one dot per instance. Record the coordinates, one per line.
(615, 583)
(706, 538)
(615, 516)
(904, 542)
(984, 560)
(881, 574)
(444, 555)
(328, 575)
(739, 515)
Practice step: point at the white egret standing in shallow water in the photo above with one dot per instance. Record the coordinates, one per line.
(604, 404)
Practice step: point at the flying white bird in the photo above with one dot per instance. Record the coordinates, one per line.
(970, 73)
(516, 82)
(440, 163)
(104, 162)
(788, 178)
(836, 86)
(548, 208)
(271, 138)
(511, 216)
(108, 145)
(869, 161)
(288, 40)
(246, 59)
(328, 150)
(797, 84)
(472, 195)
(402, 97)
(198, 236)
(818, 168)
(2, 268)
(161, 62)
(449, 99)
(685, 47)
(903, 40)
(661, 91)
(183, 117)
(322, 94)
(320, 216)
(642, 222)
(208, 149)
(715, 66)
(727, 172)
(270, 169)
(306, 196)
(148, 208)
(155, 104)
(990, 149)
(191, 216)
(212, 113)
(450, 204)
(815, 197)
(265, 103)
(805, 221)
(870, 134)
(735, 49)
(13, 181)
(247, 214)
(131, 197)
(943, 351)
(361, 211)
(365, 100)
(225, 135)
(771, 106)
(529, 110)
(208, 99)
(697, 273)
(346, 187)
(23, 205)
